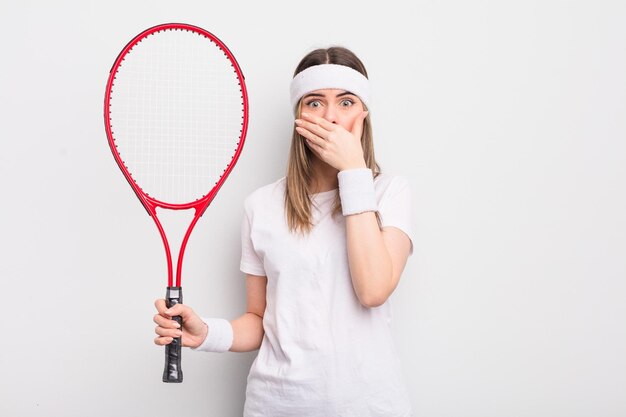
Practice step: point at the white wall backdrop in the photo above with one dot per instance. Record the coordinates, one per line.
(508, 117)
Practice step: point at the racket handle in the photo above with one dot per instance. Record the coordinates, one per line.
(173, 371)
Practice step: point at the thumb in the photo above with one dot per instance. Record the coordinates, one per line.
(357, 129)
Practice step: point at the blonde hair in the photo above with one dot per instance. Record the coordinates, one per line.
(299, 175)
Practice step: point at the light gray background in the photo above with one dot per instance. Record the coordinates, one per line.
(507, 117)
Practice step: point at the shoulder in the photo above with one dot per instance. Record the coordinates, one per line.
(391, 183)
(265, 195)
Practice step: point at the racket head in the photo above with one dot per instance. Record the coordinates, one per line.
(176, 115)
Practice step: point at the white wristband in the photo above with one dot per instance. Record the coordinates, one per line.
(356, 191)
(219, 338)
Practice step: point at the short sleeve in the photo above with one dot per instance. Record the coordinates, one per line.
(250, 261)
(395, 207)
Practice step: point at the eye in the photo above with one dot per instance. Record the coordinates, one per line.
(347, 102)
(313, 103)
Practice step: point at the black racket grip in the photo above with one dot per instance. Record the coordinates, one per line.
(173, 371)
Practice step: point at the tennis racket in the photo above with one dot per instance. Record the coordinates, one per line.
(176, 117)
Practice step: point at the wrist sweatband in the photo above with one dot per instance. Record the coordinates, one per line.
(323, 76)
(219, 338)
(356, 191)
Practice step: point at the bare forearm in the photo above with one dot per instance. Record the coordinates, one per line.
(369, 260)
(247, 333)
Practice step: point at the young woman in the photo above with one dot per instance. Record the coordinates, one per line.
(323, 248)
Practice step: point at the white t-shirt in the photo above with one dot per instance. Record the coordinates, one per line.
(323, 354)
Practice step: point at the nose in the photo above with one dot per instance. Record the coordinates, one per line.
(330, 114)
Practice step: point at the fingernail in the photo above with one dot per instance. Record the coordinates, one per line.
(175, 323)
(168, 312)
(179, 333)
(298, 121)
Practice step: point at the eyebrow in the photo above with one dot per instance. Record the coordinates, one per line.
(346, 93)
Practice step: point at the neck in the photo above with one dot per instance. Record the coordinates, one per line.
(324, 176)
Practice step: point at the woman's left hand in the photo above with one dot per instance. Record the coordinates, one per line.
(332, 143)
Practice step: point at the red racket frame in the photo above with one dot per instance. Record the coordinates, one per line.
(148, 202)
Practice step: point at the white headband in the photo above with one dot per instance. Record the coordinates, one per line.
(322, 76)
